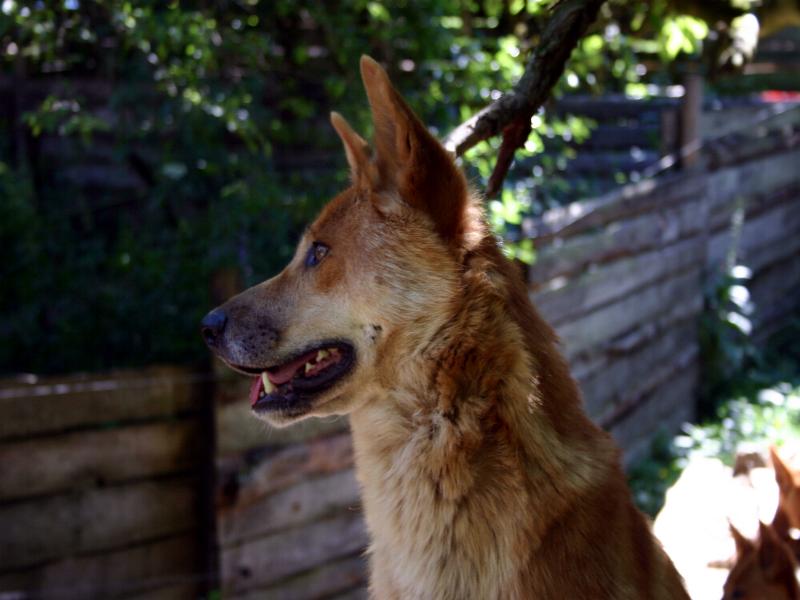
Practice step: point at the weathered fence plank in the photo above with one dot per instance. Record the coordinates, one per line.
(616, 377)
(573, 255)
(100, 488)
(286, 467)
(84, 459)
(309, 500)
(56, 404)
(757, 234)
(664, 410)
(267, 560)
(761, 174)
(618, 205)
(601, 285)
(94, 519)
(335, 577)
(648, 384)
(778, 250)
(775, 291)
(719, 123)
(679, 293)
(758, 181)
(139, 569)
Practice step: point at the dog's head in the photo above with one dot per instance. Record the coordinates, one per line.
(373, 277)
(764, 570)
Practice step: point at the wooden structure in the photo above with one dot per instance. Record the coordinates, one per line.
(622, 277)
(104, 490)
(102, 486)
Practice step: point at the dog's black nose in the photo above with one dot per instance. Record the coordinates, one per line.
(213, 324)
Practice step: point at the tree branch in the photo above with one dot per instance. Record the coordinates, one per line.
(512, 112)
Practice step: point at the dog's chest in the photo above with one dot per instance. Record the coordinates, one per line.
(434, 533)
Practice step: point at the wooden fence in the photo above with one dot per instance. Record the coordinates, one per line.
(101, 486)
(622, 277)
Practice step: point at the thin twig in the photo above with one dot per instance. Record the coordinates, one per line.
(514, 136)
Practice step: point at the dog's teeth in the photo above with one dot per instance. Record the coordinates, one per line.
(309, 366)
(268, 387)
(322, 355)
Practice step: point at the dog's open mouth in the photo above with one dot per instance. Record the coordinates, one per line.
(301, 378)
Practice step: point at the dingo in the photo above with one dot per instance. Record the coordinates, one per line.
(481, 475)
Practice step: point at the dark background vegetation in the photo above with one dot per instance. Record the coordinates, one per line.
(212, 117)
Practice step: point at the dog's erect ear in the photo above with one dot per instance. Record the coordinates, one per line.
(773, 555)
(409, 160)
(358, 152)
(743, 545)
(783, 476)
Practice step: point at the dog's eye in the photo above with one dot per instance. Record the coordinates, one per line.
(316, 253)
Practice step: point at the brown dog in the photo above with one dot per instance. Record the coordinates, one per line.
(764, 570)
(482, 477)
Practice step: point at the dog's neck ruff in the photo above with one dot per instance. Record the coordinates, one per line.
(447, 458)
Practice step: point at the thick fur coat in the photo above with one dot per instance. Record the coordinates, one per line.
(482, 477)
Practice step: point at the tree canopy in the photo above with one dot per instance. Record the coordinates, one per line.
(207, 124)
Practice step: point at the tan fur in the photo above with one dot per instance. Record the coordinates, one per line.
(482, 477)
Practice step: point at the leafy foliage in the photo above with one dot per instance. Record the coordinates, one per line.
(220, 110)
(725, 329)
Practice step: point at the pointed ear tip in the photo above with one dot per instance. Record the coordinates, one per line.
(766, 534)
(343, 128)
(765, 531)
(367, 62)
(340, 124)
(737, 535)
(371, 69)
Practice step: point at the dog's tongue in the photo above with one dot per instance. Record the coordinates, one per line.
(284, 373)
(255, 390)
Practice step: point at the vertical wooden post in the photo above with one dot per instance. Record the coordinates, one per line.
(670, 134)
(224, 284)
(691, 111)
